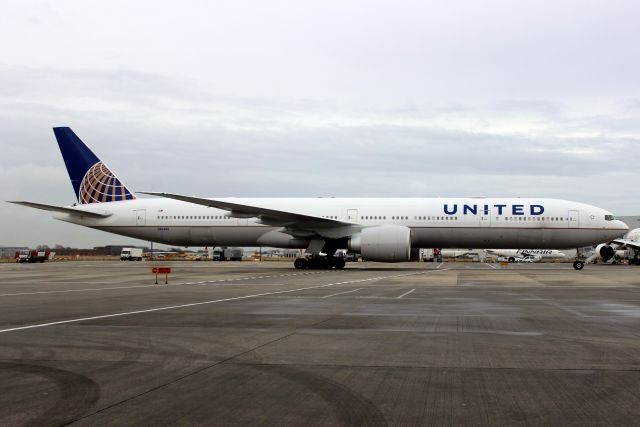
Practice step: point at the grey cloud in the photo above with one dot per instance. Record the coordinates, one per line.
(320, 99)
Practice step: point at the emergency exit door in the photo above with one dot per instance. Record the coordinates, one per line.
(352, 215)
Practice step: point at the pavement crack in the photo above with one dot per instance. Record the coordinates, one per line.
(202, 369)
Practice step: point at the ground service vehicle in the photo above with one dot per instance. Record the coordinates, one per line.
(227, 254)
(27, 255)
(131, 254)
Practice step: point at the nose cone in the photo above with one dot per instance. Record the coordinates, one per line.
(616, 228)
(619, 225)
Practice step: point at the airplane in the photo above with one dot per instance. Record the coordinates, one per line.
(513, 255)
(464, 253)
(617, 248)
(379, 229)
(536, 254)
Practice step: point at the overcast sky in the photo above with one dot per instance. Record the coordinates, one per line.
(320, 98)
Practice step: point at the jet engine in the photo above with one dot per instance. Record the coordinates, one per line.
(386, 243)
(605, 252)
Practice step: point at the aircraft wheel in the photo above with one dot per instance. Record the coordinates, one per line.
(300, 264)
(578, 265)
(339, 263)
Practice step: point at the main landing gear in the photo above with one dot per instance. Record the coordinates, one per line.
(320, 255)
(318, 262)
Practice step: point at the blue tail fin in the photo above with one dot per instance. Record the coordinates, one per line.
(92, 180)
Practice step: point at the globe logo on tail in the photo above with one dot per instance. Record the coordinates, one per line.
(101, 185)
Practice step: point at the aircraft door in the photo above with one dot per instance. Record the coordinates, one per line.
(141, 217)
(352, 215)
(574, 219)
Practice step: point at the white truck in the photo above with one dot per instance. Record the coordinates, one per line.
(227, 254)
(427, 255)
(131, 254)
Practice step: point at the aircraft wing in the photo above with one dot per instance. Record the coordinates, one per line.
(291, 220)
(63, 209)
(625, 243)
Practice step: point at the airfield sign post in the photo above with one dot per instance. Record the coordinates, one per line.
(162, 270)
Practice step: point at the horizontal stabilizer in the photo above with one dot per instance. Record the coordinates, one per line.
(62, 209)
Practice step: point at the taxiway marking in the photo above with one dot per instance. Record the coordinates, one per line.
(208, 282)
(340, 293)
(406, 293)
(194, 304)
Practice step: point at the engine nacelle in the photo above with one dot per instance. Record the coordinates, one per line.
(605, 252)
(386, 243)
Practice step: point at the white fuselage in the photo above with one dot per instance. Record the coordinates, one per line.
(434, 222)
(537, 253)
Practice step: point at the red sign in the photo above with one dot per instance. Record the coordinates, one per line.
(161, 270)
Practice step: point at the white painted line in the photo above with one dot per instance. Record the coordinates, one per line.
(492, 266)
(172, 307)
(133, 287)
(340, 293)
(406, 293)
(440, 265)
(83, 290)
(151, 310)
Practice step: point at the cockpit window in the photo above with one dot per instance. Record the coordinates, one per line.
(609, 217)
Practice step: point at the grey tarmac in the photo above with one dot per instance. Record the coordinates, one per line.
(98, 343)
